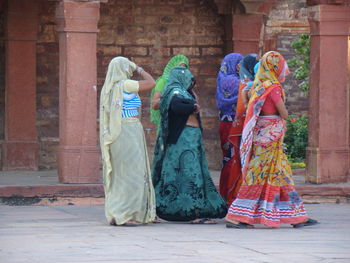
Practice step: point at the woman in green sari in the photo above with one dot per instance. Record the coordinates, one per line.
(183, 186)
(178, 60)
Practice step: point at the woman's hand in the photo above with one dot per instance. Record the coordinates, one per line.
(197, 108)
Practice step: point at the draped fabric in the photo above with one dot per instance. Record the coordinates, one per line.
(226, 101)
(267, 194)
(227, 84)
(126, 173)
(247, 64)
(131, 193)
(161, 83)
(183, 186)
(185, 190)
(230, 184)
(271, 66)
(111, 101)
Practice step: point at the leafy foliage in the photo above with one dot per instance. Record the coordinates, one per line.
(301, 61)
(296, 138)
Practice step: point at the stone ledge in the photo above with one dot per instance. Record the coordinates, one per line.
(84, 194)
(81, 190)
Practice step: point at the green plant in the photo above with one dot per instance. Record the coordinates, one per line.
(296, 138)
(301, 61)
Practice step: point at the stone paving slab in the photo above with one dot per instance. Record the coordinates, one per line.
(77, 234)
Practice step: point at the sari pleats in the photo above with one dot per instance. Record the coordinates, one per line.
(267, 195)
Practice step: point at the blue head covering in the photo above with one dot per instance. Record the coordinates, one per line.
(247, 65)
(228, 84)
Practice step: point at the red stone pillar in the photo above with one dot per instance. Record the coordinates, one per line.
(20, 147)
(78, 158)
(328, 154)
(248, 32)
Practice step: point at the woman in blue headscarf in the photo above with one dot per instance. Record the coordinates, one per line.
(226, 100)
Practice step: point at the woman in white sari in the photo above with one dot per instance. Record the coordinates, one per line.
(129, 192)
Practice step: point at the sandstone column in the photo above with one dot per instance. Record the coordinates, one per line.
(78, 158)
(20, 147)
(328, 154)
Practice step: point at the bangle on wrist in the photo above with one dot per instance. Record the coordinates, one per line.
(139, 70)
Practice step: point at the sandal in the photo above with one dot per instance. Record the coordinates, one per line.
(309, 222)
(240, 225)
(203, 221)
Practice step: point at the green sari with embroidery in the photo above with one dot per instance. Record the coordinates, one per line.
(161, 83)
(183, 186)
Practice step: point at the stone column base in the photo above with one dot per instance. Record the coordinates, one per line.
(79, 165)
(327, 165)
(20, 155)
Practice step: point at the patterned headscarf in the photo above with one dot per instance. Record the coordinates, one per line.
(273, 68)
(161, 82)
(111, 100)
(228, 84)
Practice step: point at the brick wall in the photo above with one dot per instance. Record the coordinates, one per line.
(287, 19)
(150, 32)
(47, 86)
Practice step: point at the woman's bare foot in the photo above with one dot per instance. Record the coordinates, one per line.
(131, 223)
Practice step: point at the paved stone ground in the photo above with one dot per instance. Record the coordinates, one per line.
(74, 234)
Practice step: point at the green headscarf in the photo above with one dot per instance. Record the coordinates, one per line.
(161, 82)
(179, 81)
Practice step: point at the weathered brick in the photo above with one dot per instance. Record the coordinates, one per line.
(187, 51)
(208, 70)
(212, 51)
(164, 51)
(147, 19)
(174, 20)
(108, 50)
(209, 41)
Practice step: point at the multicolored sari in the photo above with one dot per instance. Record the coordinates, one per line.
(267, 195)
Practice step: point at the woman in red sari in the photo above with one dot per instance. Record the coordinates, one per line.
(234, 180)
(226, 101)
(267, 195)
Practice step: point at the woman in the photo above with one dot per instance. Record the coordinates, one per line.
(226, 100)
(267, 195)
(178, 60)
(129, 192)
(234, 180)
(183, 186)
